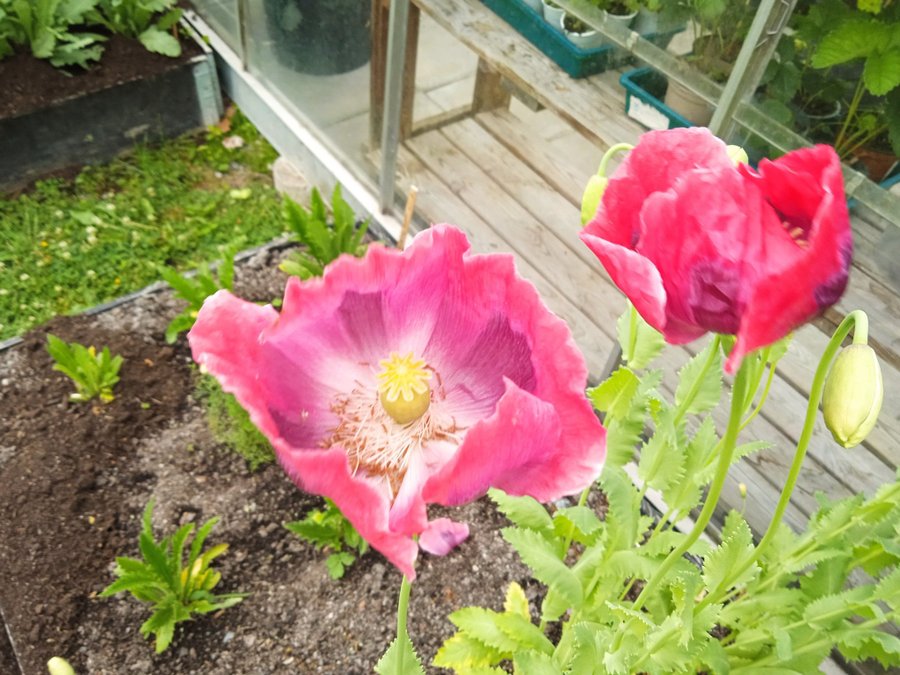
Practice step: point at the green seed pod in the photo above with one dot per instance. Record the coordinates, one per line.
(854, 390)
(59, 666)
(593, 193)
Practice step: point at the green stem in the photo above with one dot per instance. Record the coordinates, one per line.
(851, 113)
(855, 318)
(612, 152)
(402, 606)
(738, 392)
(632, 332)
(762, 399)
(682, 409)
(582, 500)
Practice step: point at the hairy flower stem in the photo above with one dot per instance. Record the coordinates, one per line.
(612, 152)
(859, 322)
(729, 442)
(402, 606)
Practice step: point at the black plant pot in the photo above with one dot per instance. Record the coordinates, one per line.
(322, 37)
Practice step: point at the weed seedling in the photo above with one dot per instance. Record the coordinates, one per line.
(175, 590)
(195, 290)
(323, 241)
(94, 373)
(328, 529)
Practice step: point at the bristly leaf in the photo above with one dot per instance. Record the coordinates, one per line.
(700, 381)
(736, 547)
(466, 654)
(400, 659)
(614, 395)
(639, 341)
(541, 556)
(516, 602)
(523, 511)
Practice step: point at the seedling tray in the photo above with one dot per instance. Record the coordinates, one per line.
(645, 89)
(577, 62)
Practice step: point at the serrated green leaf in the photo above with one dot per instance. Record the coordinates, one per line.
(534, 663)
(830, 610)
(581, 518)
(882, 71)
(850, 40)
(525, 634)
(783, 646)
(858, 644)
(661, 462)
(615, 394)
(541, 558)
(700, 382)
(464, 653)
(524, 511)
(639, 341)
(400, 659)
(335, 566)
(483, 626)
(736, 547)
(516, 602)
(622, 514)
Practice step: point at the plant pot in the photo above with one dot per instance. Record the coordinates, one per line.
(320, 37)
(536, 5)
(876, 164)
(688, 104)
(553, 15)
(589, 39)
(95, 125)
(646, 22)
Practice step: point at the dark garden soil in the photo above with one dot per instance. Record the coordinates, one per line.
(28, 83)
(75, 478)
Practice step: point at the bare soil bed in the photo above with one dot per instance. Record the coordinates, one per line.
(75, 479)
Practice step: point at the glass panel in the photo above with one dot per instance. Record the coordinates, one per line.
(315, 56)
(222, 16)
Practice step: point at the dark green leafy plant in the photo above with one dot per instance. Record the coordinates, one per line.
(176, 589)
(195, 290)
(94, 374)
(231, 425)
(324, 241)
(150, 21)
(328, 529)
(623, 600)
(47, 28)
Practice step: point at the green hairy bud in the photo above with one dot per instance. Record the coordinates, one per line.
(59, 666)
(593, 193)
(853, 394)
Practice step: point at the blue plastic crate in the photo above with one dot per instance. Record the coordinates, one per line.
(645, 89)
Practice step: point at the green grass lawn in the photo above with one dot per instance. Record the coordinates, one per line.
(71, 244)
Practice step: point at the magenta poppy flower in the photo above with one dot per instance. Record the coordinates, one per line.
(698, 244)
(408, 378)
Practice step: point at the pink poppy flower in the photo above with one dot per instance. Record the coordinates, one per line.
(698, 244)
(407, 378)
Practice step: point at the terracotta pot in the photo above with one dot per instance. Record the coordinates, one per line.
(688, 104)
(876, 163)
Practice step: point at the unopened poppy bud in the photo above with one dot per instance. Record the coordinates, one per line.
(737, 154)
(593, 193)
(59, 666)
(742, 488)
(853, 394)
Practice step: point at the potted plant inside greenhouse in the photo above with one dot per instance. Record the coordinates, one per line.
(856, 44)
(321, 37)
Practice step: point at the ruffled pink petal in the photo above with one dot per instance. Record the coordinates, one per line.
(363, 502)
(655, 164)
(518, 449)
(225, 339)
(442, 536)
(636, 276)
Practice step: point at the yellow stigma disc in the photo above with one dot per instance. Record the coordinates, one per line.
(403, 387)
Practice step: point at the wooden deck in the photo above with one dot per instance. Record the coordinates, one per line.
(512, 195)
